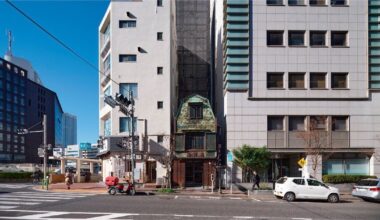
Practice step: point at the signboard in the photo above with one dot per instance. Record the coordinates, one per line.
(85, 146)
(41, 152)
(230, 157)
(57, 152)
(302, 162)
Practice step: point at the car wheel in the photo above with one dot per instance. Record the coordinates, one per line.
(290, 197)
(333, 198)
(112, 191)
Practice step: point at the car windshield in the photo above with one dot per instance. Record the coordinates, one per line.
(281, 180)
(368, 183)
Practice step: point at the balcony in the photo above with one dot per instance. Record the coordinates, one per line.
(106, 47)
(106, 78)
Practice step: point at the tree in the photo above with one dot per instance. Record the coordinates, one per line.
(250, 159)
(316, 138)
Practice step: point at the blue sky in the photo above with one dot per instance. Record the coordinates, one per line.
(76, 24)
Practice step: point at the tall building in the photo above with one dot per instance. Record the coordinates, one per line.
(137, 50)
(23, 103)
(69, 129)
(290, 70)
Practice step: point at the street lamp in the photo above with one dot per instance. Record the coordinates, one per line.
(25, 131)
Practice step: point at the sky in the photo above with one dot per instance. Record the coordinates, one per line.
(76, 24)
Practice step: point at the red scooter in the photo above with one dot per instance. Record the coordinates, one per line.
(115, 187)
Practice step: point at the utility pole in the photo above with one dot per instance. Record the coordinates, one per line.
(44, 124)
(132, 114)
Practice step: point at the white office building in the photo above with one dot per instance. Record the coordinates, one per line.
(137, 53)
(289, 64)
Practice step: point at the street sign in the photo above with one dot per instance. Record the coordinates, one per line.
(41, 152)
(230, 157)
(301, 162)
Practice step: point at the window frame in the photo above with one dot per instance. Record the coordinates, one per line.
(335, 74)
(346, 43)
(342, 118)
(160, 3)
(338, 5)
(126, 60)
(314, 74)
(160, 104)
(129, 86)
(292, 129)
(193, 140)
(317, 32)
(195, 110)
(275, 3)
(160, 70)
(295, 74)
(160, 36)
(297, 3)
(126, 23)
(269, 81)
(269, 32)
(275, 117)
(317, 5)
(296, 32)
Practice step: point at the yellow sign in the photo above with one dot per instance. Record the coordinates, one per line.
(302, 162)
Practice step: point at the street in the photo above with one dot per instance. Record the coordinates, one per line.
(25, 203)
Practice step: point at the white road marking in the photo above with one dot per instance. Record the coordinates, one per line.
(301, 218)
(235, 198)
(175, 197)
(257, 200)
(37, 197)
(14, 186)
(188, 216)
(7, 207)
(214, 197)
(27, 199)
(53, 194)
(19, 203)
(243, 217)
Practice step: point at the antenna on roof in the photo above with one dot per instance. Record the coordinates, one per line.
(10, 39)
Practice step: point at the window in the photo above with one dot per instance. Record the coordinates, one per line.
(339, 80)
(159, 36)
(339, 123)
(127, 58)
(339, 38)
(196, 110)
(107, 63)
(318, 123)
(297, 123)
(194, 141)
(338, 2)
(296, 38)
(106, 34)
(296, 80)
(124, 89)
(127, 23)
(275, 2)
(125, 124)
(311, 182)
(275, 123)
(160, 139)
(317, 2)
(159, 3)
(296, 2)
(317, 80)
(160, 105)
(160, 70)
(107, 127)
(299, 181)
(275, 38)
(275, 80)
(317, 38)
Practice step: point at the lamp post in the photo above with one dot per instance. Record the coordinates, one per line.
(44, 131)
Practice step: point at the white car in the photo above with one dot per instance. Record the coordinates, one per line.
(367, 189)
(291, 188)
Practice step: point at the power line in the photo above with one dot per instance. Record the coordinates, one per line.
(56, 39)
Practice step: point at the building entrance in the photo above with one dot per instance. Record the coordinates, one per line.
(193, 173)
(151, 171)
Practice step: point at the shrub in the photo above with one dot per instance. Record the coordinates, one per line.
(341, 178)
(165, 190)
(15, 175)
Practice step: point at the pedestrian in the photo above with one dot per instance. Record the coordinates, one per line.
(68, 179)
(256, 180)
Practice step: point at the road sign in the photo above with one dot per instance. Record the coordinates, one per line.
(230, 157)
(41, 152)
(302, 162)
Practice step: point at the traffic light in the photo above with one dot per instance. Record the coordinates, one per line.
(122, 99)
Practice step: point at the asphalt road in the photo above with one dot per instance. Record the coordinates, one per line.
(69, 206)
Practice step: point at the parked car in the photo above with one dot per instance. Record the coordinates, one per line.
(292, 188)
(367, 189)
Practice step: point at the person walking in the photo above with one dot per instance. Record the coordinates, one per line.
(68, 179)
(256, 180)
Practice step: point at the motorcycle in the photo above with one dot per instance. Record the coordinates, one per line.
(119, 188)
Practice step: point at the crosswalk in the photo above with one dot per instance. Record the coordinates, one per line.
(15, 185)
(14, 200)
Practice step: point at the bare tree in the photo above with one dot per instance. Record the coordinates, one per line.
(167, 159)
(316, 139)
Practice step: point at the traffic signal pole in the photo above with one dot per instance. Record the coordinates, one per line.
(133, 138)
(44, 124)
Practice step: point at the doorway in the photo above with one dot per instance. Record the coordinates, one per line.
(193, 173)
(151, 171)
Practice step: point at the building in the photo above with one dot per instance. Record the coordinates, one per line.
(286, 68)
(195, 143)
(69, 129)
(22, 105)
(137, 50)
